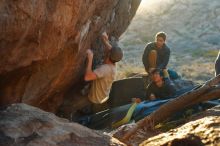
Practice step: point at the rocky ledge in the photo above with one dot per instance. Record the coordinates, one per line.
(204, 129)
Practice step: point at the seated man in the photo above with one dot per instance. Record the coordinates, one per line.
(156, 54)
(217, 65)
(103, 76)
(160, 87)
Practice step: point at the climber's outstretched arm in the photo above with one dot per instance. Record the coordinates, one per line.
(106, 41)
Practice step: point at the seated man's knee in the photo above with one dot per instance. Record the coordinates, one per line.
(153, 58)
(153, 53)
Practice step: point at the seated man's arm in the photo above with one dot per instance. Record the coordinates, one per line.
(89, 75)
(149, 93)
(170, 87)
(145, 57)
(217, 65)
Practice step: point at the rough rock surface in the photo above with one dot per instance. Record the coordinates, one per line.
(203, 131)
(23, 125)
(43, 45)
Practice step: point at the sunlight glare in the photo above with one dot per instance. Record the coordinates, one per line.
(150, 5)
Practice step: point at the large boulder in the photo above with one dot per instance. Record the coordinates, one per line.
(43, 45)
(23, 125)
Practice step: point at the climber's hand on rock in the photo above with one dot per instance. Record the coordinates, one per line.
(89, 53)
(106, 42)
(104, 36)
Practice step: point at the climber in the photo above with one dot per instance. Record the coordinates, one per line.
(156, 54)
(102, 77)
(217, 64)
(161, 86)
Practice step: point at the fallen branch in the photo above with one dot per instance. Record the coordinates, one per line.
(206, 92)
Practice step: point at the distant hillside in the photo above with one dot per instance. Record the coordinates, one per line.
(193, 34)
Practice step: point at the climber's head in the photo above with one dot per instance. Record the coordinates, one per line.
(160, 39)
(115, 54)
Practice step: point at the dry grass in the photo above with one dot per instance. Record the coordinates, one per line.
(128, 70)
(198, 67)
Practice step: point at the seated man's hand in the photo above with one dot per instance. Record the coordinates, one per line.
(152, 97)
(165, 73)
(89, 53)
(137, 100)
